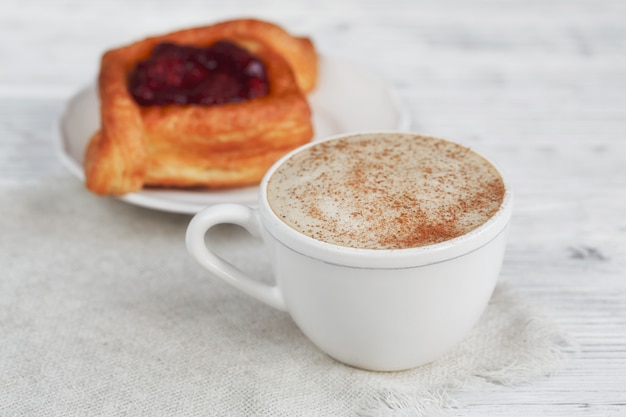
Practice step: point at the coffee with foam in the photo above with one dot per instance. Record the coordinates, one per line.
(385, 191)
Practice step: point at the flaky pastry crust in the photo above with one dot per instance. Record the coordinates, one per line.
(215, 146)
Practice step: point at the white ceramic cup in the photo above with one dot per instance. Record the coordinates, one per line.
(381, 310)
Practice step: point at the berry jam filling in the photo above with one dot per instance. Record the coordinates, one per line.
(177, 74)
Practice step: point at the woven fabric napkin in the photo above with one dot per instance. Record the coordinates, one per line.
(103, 313)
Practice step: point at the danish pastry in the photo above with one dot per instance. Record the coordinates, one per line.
(212, 106)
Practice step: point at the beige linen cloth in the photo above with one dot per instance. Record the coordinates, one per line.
(103, 313)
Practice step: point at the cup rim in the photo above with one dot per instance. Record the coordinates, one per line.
(382, 258)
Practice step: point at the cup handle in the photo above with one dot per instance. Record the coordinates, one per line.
(232, 214)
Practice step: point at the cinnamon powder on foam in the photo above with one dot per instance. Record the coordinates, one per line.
(385, 192)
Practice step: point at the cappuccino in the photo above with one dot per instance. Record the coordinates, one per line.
(385, 191)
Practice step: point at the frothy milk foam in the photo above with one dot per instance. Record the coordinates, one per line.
(385, 191)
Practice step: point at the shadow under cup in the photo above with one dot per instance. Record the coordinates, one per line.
(375, 309)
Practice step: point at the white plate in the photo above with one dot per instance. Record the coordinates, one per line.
(346, 99)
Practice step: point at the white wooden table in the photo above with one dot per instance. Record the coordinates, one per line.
(541, 86)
